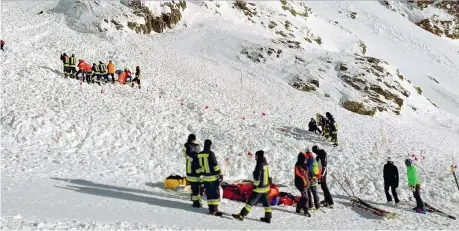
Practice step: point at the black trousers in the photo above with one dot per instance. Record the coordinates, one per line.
(312, 196)
(417, 196)
(254, 199)
(303, 203)
(327, 196)
(195, 191)
(113, 77)
(394, 193)
(213, 195)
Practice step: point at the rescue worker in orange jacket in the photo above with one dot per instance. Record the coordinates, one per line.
(111, 70)
(81, 69)
(302, 183)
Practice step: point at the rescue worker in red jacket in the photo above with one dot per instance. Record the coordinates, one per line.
(302, 184)
(211, 176)
(81, 69)
(193, 169)
(260, 191)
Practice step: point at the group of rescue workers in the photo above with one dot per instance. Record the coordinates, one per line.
(203, 172)
(328, 125)
(95, 72)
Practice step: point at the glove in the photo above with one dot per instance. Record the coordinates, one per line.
(221, 178)
(418, 187)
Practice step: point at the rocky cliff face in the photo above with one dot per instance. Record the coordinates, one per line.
(137, 16)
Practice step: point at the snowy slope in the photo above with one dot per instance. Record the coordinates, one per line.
(79, 156)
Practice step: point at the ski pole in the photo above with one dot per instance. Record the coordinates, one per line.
(340, 185)
(348, 184)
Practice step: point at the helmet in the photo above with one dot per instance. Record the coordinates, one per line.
(191, 137)
(137, 67)
(93, 64)
(100, 62)
(73, 55)
(408, 161)
(65, 54)
(315, 148)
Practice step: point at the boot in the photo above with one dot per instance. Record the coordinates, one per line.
(196, 204)
(238, 217)
(264, 219)
(306, 213)
(298, 210)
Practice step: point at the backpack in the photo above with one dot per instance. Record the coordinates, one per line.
(174, 181)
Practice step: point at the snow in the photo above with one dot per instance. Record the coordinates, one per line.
(76, 158)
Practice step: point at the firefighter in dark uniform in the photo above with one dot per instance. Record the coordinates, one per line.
(103, 71)
(322, 121)
(96, 73)
(332, 128)
(72, 66)
(260, 191)
(211, 176)
(321, 159)
(66, 65)
(193, 169)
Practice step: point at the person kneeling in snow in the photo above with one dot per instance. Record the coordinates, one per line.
(313, 126)
(260, 191)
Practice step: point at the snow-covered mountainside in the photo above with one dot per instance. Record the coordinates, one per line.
(440, 17)
(248, 76)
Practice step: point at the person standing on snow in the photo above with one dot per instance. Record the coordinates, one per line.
(111, 70)
(260, 191)
(72, 66)
(321, 158)
(415, 186)
(390, 180)
(211, 176)
(136, 79)
(103, 71)
(313, 168)
(2, 43)
(193, 169)
(302, 184)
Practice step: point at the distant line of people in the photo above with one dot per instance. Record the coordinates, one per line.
(95, 72)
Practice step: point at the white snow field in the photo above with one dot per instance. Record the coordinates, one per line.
(89, 157)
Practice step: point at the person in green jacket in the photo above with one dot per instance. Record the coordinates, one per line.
(415, 186)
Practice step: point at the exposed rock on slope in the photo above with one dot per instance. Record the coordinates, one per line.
(438, 17)
(120, 15)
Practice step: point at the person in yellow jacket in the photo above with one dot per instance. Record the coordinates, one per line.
(111, 70)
